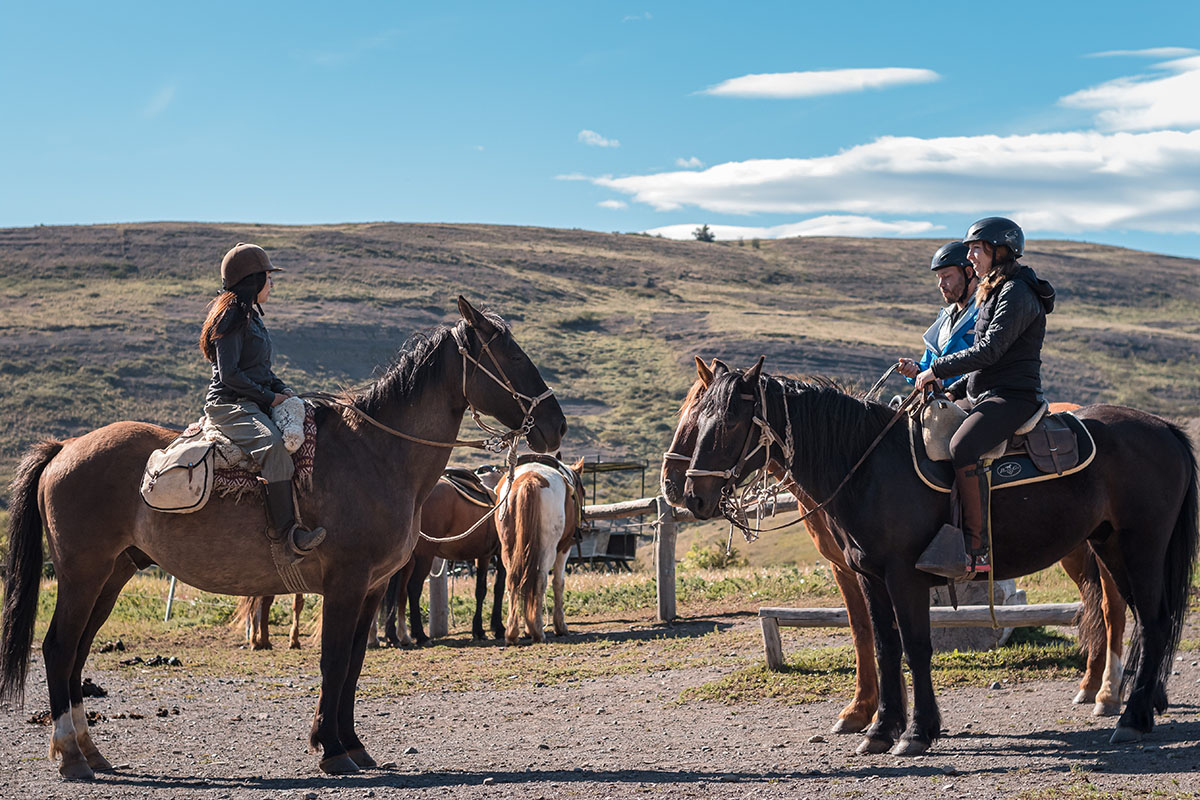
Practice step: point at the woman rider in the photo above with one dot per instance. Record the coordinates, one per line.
(244, 388)
(1003, 367)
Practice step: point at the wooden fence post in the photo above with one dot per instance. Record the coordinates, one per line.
(439, 600)
(664, 557)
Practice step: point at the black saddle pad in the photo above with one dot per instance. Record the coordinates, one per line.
(467, 484)
(1014, 469)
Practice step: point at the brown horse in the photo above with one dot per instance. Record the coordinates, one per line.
(252, 614)
(536, 522)
(1101, 681)
(367, 488)
(445, 514)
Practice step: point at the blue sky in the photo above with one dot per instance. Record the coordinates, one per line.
(1081, 120)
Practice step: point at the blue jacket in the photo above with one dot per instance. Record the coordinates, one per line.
(961, 337)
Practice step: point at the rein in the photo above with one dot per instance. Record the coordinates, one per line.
(498, 442)
(733, 508)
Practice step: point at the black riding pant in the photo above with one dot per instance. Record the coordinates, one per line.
(989, 423)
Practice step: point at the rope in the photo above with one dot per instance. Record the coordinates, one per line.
(879, 383)
(329, 400)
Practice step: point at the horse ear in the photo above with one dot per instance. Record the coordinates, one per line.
(719, 368)
(577, 467)
(703, 372)
(476, 320)
(754, 372)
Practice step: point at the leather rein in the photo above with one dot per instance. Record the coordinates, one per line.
(732, 506)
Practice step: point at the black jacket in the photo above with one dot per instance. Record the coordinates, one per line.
(242, 370)
(1006, 358)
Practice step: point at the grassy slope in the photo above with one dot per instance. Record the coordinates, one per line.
(99, 323)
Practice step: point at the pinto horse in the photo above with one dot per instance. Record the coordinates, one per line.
(372, 473)
(254, 613)
(536, 521)
(445, 515)
(1136, 505)
(1102, 677)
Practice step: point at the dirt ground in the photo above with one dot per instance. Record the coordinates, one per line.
(622, 736)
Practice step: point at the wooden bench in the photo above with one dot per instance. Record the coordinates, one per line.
(939, 617)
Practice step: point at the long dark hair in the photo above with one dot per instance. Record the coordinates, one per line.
(229, 312)
(1004, 266)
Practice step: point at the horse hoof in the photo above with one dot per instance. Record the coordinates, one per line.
(1106, 709)
(1084, 697)
(910, 747)
(847, 725)
(362, 758)
(339, 765)
(1124, 735)
(99, 763)
(76, 771)
(873, 747)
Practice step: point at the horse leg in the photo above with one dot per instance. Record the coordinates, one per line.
(534, 608)
(261, 638)
(393, 599)
(422, 565)
(78, 597)
(354, 746)
(858, 713)
(122, 572)
(1076, 566)
(340, 614)
(910, 602)
(891, 715)
(560, 579)
(294, 633)
(481, 570)
(498, 600)
(1108, 699)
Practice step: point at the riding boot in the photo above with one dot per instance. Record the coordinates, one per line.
(972, 482)
(281, 517)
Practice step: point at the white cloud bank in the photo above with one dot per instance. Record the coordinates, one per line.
(1150, 52)
(820, 82)
(1067, 182)
(828, 225)
(593, 139)
(613, 204)
(1168, 99)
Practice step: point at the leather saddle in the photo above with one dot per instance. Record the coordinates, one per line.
(469, 486)
(1046, 446)
(573, 480)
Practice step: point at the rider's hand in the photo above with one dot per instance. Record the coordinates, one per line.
(279, 398)
(925, 378)
(907, 367)
(289, 392)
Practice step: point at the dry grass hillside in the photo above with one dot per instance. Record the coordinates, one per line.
(99, 322)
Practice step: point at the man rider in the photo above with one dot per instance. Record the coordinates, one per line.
(954, 328)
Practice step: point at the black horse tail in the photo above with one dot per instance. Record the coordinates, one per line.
(1177, 577)
(23, 573)
(1090, 625)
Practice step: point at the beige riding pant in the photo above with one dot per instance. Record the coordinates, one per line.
(247, 426)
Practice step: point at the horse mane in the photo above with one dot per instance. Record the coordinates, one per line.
(694, 393)
(413, 365)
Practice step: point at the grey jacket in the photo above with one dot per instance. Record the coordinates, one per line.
(242, 370)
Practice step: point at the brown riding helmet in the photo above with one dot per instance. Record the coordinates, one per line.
(244, 259)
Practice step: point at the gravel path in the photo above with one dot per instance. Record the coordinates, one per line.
(619, 737)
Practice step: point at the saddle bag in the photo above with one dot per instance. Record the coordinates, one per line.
(940, 418)
(179, 478)
(1051, 446)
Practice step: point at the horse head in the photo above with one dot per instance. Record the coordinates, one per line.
(500, 380)
(679, 454)
(725, 433)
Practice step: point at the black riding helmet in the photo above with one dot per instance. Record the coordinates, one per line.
(951, 254)
(998, 231)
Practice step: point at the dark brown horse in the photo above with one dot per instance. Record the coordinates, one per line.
(446, 514)
(1136, 505)
(1101, 680)
(367, 488)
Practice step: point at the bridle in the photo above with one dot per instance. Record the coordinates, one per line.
(499, 440)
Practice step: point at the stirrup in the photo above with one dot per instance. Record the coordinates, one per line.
(303, 541)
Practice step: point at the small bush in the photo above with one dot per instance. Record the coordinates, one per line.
(713, 556)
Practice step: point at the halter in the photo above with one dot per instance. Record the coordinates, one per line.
(527, 404)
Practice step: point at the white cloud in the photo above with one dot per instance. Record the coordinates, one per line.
(614, 204)
(811, 84)
(645, 15)
(159, 102)
(1150, 52)
(594, 139)
(1167, 99)
(574, 176)
(689, 163)
(828, 225)
(1065, 182)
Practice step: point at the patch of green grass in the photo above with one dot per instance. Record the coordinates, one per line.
(1080, 788)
